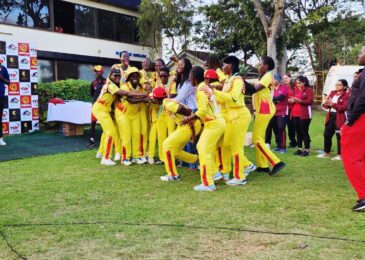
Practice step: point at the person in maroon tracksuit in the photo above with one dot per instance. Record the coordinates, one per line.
(336, 103)
(287, 81)
(352, 137)
(302, 114)
(278, 122)
(95, 88)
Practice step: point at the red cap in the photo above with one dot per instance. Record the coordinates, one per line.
(159, 92)
(210, 74)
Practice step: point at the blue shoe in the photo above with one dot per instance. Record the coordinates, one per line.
(250, 169)
(218, 176)
(235, 182)
(282, 151)
(276, 149)
(202, 187)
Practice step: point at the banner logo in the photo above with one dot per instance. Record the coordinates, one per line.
(23, 48)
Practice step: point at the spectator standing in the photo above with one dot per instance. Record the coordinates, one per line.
(302, 114)
(288, 82)
(95, 89)
(278, 122)
(352, 139)
(4, 80)
(336, 103)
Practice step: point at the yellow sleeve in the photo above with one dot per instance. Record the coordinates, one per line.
(266, 80)
(202, 104)
(173, 88)
(170, 105)
(112, 88)
(221, 76)
(234, 94)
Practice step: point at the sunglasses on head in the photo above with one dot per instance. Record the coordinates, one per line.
(164, 76)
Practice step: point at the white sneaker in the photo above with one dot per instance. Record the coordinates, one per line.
(226, 177)
(99, 155)
(250, 169)
(2, 142)
(268, 146)
(126, 162)
(218, 176)
(107, 162)
(117, 157)
(323, 155)
(151, 160)
(144, 159)
(138, 161)
(336, 158)
(235, 182)
(170, 178)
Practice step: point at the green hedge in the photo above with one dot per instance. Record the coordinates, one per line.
(69, 89)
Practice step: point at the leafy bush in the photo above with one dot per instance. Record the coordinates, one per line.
(69, 89)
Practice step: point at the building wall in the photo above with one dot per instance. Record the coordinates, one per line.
(68, 43)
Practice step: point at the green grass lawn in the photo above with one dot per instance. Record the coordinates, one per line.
(91, 211)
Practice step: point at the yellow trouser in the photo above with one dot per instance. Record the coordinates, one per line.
(233, 142)
(171, 125)
(130, 130)
(144, 130)
(117, 142)
(207, 146)
(263, 154)
(159, 132)
(173, 147)
(109, 131)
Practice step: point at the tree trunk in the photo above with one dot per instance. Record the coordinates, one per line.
(282, 62)
(271, 50)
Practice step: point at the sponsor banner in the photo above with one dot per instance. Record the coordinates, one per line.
(24, 75)
(13, 89)
(5, 115)
(12, 62)
(14, 101)
(26, 126)
(14, 115)
(21, 113)
(35, 101)
(25, 101)
(33, 76)
(13, 75)
(2, 47)
(3, 60)
(5, 128)
(25, 88)
(34, 88)
(24, 62)
(35, 113)
(33, 63)
(32, 50)
(26, 114)
(11, 48)
(15, 128)
(35, 125)
(23, 49)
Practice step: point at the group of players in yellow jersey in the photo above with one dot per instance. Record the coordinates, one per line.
(137, 108)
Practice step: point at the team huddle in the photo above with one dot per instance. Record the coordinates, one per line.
(176, 110)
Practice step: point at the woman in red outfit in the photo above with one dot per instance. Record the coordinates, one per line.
(352, 136)
(289, 83)
(337, 105)
(278, 122)
(302, 114)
